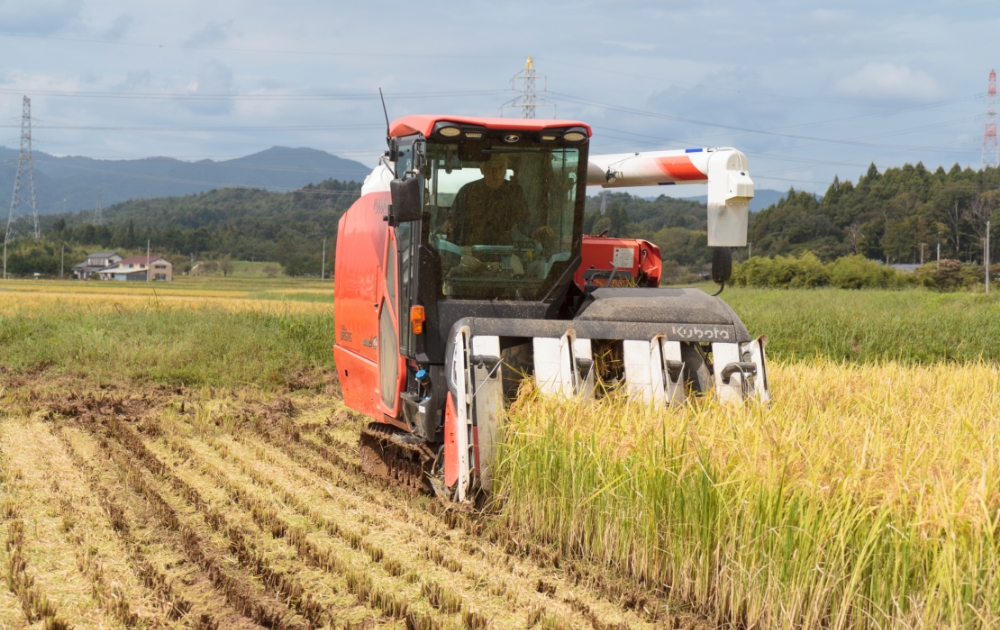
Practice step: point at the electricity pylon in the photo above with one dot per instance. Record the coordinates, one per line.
(18, 222)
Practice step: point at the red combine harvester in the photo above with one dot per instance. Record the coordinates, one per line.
(463, 269)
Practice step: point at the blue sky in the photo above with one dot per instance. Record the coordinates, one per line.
(807, 90)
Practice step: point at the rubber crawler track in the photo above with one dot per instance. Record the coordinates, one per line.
(386, 456)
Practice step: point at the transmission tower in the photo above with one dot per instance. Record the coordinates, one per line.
(98, 216)
(18, 222)
(528, 100)
(990, 155)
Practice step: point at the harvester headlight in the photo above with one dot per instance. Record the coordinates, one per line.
(449, 132)
(574, 136)
(475, 135)
(548, 138)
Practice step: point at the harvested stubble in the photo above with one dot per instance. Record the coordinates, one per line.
(864, 497)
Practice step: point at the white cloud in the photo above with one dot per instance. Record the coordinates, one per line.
(38, 16)
(888, 81)
(119, 27)
(212, 34)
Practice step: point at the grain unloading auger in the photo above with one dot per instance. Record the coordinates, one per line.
(463, 269)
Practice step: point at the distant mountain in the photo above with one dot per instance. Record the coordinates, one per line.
(761, 199)
(71, 183)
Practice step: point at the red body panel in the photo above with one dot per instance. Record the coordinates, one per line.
(680, 168)
(598, 254)
(450, 442)
(361, 248)
(424, 124)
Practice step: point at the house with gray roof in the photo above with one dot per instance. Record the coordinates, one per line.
(140, 268)
(95, 263)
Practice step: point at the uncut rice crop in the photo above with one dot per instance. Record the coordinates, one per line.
(865, 496)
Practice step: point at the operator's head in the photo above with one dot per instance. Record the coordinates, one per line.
(494, 170)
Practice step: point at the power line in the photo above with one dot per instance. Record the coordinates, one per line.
(249, 97)
(394, 55)
(211, 129)
(640, 112)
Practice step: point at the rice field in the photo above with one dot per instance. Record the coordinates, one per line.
(182, 459)
(864, 497)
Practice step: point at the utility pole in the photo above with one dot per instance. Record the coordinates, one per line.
(750, 247)
(938, 265)
(528, 100)
(25, 169)
(147, 261)
(98, 213)
(922, 246)
(987, 258)
(322, 270)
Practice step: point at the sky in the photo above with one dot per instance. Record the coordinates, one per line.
(807, 90)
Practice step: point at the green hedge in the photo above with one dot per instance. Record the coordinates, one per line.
(807, 271)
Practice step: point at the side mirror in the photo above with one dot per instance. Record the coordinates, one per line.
(722, 265)
(406, 202)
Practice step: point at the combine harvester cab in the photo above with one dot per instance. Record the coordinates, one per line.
(462, 270)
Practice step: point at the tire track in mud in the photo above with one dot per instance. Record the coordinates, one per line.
(326, 464)
(359, 583)
(621, 593)
(268, 518)
(176, 607)
(243, 543)
(265, 609)
(403, 557)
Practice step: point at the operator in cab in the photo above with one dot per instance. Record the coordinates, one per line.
(487, 210)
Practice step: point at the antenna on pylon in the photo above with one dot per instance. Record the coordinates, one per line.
(18, 222)
(528, 100)
(990, 153)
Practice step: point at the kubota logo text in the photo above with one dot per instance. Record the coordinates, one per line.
(699, 332)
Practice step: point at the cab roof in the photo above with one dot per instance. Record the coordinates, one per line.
(424, 123)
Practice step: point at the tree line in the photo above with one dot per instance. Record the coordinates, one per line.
(895, 216)
(238, 223)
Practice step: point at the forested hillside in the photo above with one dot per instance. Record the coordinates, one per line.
(886, 216)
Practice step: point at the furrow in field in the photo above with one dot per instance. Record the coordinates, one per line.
(240, 590)
(100, 556)
(594, 590)
(283, 512)
(156, 553)
(137, 546)
(28, 565)
(252, 550)
(398, 518)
